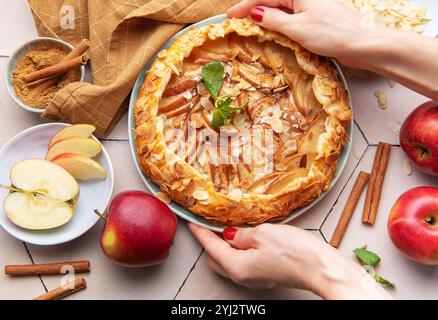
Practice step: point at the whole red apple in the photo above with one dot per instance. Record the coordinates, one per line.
(413, 224)
(139, 230)
(419, 137)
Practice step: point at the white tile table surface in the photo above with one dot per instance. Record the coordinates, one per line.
(185, 274)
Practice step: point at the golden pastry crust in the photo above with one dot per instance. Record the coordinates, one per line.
(288, 187)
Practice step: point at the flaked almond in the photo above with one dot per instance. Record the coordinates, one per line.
(187, 95)
(163, 197)
(159, 66)
(382, 100)
(357, 154)
(202, 89)
(178, 170)
(407, 167)
(207, 104)
(204, 202)
(162, 54)
(173, 68)
(176, 185)
(276, 125)
(391, 83)
(201, 195)
(151, 133)
(281, 167)
(235, 195)
(239, 121)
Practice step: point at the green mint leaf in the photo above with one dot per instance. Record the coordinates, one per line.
(218, 119)
(382, 281)
(212, 75)
(224, 104)
(367, 257)
(243, 105)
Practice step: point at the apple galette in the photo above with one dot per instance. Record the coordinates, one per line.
(239, 124)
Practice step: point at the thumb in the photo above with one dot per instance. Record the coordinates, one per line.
(240, 238)
(274, 19)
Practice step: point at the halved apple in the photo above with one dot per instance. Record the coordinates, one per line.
(86, 147)
(43, 195)
(73, 131)
(80, 167)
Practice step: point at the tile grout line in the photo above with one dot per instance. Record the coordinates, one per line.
(343, 188)
(323, 236)
(360, 130)
(188, 275)
(3, 56)
(33, 262)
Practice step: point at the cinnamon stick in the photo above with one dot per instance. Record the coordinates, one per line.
(64, 291)
(367, 206)
(77, 51)
(378, 183)
(46, 268)
(58, 68)
(349, 208)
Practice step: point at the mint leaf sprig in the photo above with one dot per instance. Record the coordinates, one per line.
(212, 75)
(369, 260)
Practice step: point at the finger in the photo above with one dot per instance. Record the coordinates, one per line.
(215, 246)
(243, 8)
(275, 19)
(240, 238)
(216, 267)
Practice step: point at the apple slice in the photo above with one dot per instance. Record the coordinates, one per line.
(42, 197)
(86, 147)
(74, 131)
(80, 167)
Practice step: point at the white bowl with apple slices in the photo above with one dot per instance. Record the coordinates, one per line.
(94, 194)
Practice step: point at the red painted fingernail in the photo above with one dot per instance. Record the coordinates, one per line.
(257, 14)
(229, 233)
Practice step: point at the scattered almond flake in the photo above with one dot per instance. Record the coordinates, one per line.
(357, 153)
(407, 167)
(391, 83)
(382, 100)
(394, 127)
(235, 195)
(163, 197)
(401, 14)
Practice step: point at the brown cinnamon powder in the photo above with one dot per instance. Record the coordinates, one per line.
(35, 94)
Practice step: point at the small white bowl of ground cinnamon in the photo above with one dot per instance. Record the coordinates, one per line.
(40, 68)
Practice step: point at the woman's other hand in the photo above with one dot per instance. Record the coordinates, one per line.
(280, 256)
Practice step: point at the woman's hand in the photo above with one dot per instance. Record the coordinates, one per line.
(325, 27)
(329, 28)
(279, 256)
